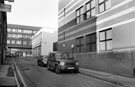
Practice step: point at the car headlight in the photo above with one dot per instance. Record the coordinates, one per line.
(77, 63)
(62, 63)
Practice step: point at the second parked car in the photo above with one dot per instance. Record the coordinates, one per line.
(42, 61)
(62, 62)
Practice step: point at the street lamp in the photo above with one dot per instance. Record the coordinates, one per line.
(72, 47)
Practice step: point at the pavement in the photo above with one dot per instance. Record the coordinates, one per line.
(116, 79)
(7, 75)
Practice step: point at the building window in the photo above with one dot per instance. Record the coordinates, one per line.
(18, 42)
(19, 35)
(104, 5)
(13, 41)
(27, 31)
(105, 38)
(91, 42)
(8, 41)
(19, 30)
(24, 42)
(34, 32)
(79, 44)
(90, 9)
(14, 30)
(64, 35)
(9, 35)
(9, 30)
(64, 12)
(79, 15)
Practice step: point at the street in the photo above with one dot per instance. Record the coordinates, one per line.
(37, 76)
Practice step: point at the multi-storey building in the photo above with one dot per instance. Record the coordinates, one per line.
(99, 33)
(19, 39)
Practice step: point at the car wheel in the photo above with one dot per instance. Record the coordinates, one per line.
(76, 71)
(48, 67)
(57, 69)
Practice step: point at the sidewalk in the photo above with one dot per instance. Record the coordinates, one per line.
(116, 79)
(7, 76)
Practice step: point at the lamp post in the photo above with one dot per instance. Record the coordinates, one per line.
(72, 47)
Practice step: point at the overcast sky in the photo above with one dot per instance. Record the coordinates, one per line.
(42, 13)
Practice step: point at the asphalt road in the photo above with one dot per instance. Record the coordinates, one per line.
(37, 76)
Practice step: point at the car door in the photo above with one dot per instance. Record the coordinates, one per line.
(51, 60)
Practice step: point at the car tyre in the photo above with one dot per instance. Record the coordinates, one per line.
(76, 71)
(57, 69)
(48, 67)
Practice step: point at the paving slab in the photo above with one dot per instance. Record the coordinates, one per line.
(7, 82)
(116, 79)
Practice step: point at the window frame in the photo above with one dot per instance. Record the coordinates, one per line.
(106, 39)
(80, 44)
(90, 9)
(102, 3)
(90, 43)
(80, 15)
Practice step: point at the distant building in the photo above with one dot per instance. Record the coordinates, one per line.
(100, 33)
(19, 39)
(42, 42)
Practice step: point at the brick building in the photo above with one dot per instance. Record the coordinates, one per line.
(19, 39)
(100, 33)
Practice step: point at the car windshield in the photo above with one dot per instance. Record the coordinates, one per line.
(58, 55)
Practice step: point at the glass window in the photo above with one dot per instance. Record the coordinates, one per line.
(91, 42)
(27, 31)
(109, 34)
(90, 9)
(9, 35)
(14, 30)
(101, 8)
(87, 6)
(18, 42)
(109, 44)
(79, 15)
(102, 36)
(8, 41)
(102, 46)
(93, 3)
(13, 41)
(79, 44)
(105, 38)
(108, 4)
(100, 1)
(19, 30)
(93, 12)
(104, 5)
(9, 30)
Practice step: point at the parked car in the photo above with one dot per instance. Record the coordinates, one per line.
(62, 62)
(42, 61)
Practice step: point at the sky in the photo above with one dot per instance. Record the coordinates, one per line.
(40, 13)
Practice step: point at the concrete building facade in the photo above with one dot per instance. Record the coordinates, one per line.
(100, 33)
(42, 42)
(19, 39)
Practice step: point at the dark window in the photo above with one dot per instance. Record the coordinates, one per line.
(91, 42)
(64, 12)
(104, 5)
(79, 15)
(79, 44)
(90, 9)
(105, 39)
